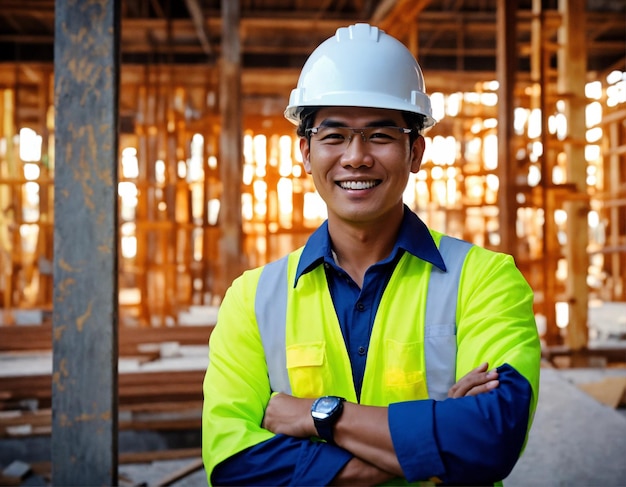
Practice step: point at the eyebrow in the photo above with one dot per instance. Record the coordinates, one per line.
(387, 122)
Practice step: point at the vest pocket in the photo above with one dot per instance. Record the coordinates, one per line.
(404, 375)
(305, 365)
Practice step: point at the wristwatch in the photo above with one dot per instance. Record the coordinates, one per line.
(325, 411)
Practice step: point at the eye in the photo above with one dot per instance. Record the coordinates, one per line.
(332, 134)
(382, 135)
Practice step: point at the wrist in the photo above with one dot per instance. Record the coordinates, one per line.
(325, 412)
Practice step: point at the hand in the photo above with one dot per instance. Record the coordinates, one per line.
(475, 382)
(290, 416)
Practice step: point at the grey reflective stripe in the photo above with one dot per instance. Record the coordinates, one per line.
(440, 318)
(270, 307)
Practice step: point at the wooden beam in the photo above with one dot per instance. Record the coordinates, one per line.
(230, 161)
(197, 17)
(551, 251)
(402, 16)
(572, 68)
(614, 175)
(506, 63)
(382, 11)
(84, 382)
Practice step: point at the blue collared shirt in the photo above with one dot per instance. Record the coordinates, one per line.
(285, 460)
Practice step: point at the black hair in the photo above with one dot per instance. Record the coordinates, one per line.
(416, 122)
(307, 116)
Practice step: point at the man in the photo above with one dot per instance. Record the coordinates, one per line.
(382, 351)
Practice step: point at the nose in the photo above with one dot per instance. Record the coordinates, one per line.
(356, 153)
(359, 132)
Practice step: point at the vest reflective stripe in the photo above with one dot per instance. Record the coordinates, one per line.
(440, 319)
(270, 307)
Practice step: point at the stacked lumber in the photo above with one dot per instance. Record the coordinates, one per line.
(160, 399)
(131, 340)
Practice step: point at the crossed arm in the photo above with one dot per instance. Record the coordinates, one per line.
(362, 430)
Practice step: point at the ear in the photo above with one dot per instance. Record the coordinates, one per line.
(305, 150)
(417, 152)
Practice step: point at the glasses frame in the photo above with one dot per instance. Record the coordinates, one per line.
(360, 130)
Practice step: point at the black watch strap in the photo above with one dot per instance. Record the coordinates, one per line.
(326, 410)
(325, 430)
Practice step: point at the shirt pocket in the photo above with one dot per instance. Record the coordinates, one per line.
(440, 355)
(306, 367)
(403, 373)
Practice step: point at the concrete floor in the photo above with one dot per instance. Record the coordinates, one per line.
(575, 440)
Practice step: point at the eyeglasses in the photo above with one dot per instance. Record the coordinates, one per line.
(341, 137)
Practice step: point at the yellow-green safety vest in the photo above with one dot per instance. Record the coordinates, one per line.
(439, 344)
(431, 328)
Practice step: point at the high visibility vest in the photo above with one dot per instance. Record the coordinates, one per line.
(274, 336)
(438, 343)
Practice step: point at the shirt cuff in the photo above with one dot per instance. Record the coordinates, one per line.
(313, 456)
(412, 430)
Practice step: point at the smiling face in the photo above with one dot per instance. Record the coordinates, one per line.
(361, 175)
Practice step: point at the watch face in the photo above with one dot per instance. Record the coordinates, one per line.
(324, 407)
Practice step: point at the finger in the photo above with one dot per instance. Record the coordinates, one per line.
(482, 367)
(274, 401)
(486, 387)
(475, 388)
(472, 380)
(460, 383)
(480, 385)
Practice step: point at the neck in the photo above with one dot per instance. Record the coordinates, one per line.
(357, 247)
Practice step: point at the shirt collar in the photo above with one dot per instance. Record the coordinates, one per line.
(414, 237)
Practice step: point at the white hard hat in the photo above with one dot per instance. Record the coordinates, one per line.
(361, 66)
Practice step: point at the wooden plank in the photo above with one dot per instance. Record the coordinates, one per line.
(143, 457)
(193, 466)
(39, 338)
(148, 400)
(43, 468)
(156, 416)
(183, 385)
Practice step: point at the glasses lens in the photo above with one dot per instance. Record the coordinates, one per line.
(382, 135)
(340, 136)
(333, 135)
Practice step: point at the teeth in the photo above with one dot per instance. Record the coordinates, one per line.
(357, 184)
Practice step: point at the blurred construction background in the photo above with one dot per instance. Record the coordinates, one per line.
(133, 229)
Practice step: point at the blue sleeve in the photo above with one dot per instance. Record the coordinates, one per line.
(283, 460)
(469, 440)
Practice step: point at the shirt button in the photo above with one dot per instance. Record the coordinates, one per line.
(360, 306)
(361, 350)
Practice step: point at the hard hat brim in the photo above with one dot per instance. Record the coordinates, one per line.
(420, 104)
